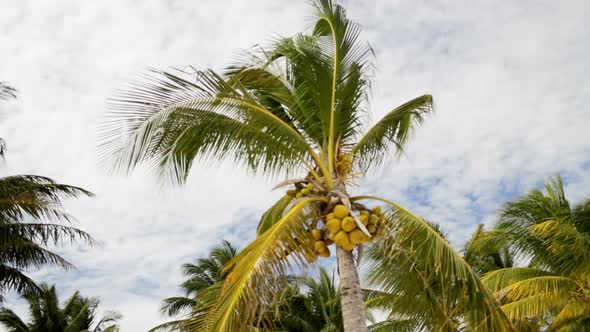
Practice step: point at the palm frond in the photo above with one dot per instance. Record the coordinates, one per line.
(500, 279)
(249, 283)
(482, 310)
(13, 279)
(35, 196)
(274, 213)
(575, 310)
(395, 128)
(168, 121)
(532, 307)
(173, 306)
(11, 321)
(43, 233)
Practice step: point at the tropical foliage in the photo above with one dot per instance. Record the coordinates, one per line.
(29, 207)
(550, 289)
(297, 108)
(416, 292)
(305, 304)
(77, 314)
(201, 277)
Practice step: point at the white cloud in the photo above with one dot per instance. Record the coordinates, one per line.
(509, 82)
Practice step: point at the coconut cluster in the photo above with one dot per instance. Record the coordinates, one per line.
(340, 227)
(301, 191)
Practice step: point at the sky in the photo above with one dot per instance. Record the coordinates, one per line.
(510, 84)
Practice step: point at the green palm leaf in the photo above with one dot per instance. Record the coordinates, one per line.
(427, 245)
(394, 128)
(249, 277)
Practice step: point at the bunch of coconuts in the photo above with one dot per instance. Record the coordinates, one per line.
(339, 227)
(301, 191)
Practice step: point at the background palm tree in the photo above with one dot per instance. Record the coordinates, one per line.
(486, 259)
(78, 314)
(550, 288)
(201, 276)
(29, 207)
(309, 304)
(306, 304)
(296, 109)
(416, 294)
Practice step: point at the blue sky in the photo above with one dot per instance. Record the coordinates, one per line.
(509, 82)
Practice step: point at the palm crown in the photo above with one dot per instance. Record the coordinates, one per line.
(298, 108)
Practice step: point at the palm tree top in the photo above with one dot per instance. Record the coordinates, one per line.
(297, 107)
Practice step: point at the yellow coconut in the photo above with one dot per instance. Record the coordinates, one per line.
(377, 210)
(291, 192)
(309, 186)
(333, 225)
(320, 246)
(340, 211)
(372, 229)
(348, 247)
(324, 253)
(299, 195)
(304, 191)
(374, 219)
(330, 216)
(317, 234)
(357, 236)
(342, 239)
(364, 213)
(364, 218)
(331, 237)
(348, 224)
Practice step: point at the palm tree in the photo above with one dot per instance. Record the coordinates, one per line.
(78, 314)
(486, 259)
(550, 289)
(296, 109)
(309, 304)
(416, 294)
(204, 274)
(29, 207)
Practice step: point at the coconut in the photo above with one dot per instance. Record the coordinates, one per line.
(304, 191)
(357, 236)
(364, 213)
(298, 195)
(342, 239)
(348, 247)
(331, 237)
(348, 224)
(292, 192)
(340, 211)
(330, 216)
(329, 241)
(320, 246)
(364, 218)
(325, 253)
(317, 234)
(377, 210)
(374, 219)
(309, 186)
(372, 229)
(333, 225)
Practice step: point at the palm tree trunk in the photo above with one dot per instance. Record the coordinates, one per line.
(353, 307)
